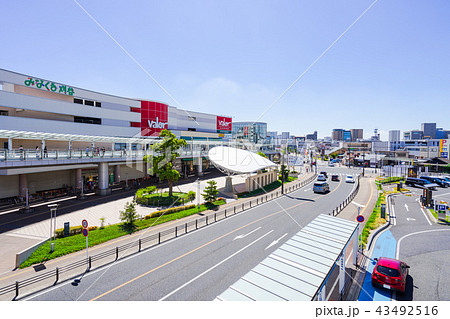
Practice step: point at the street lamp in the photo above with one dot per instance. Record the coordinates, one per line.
(53, 208)
(364, 163)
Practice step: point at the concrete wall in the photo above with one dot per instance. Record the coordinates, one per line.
(9, 186)
(24, 254)
(259, 180)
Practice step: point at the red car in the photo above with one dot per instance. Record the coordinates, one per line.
(390, 273)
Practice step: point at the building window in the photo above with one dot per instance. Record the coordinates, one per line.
(98, 104)
(3, 113)
(192, 129)
(78, 101)
(87, 102)
(87, 120)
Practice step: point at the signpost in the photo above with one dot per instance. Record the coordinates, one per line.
(66, 229)
(383, 211)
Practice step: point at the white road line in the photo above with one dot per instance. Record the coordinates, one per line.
(307, 189)
(275, 241)
(393, 215)
(406, 207)
(243, 236)
(410, 219)
(426, 217)
(397, 254)
(216, 265)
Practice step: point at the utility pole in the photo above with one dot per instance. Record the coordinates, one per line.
(282, 170)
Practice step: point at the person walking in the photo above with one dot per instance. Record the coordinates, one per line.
(21, 151)
(37, 152)
(45, 151)
(87, 151)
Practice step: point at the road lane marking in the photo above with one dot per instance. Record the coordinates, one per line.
(410, 219)
(243, 236)
(216, 265)
(426, 217)
(206, 244)
(275, 241)
(307, 189)
(406, 207)
(397, 254)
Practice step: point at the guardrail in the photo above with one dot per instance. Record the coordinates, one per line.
(54, 276)
(346, 201)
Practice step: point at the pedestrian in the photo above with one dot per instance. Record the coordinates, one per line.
(37, 152)
(21, 151)
(45, 151)
(87, 151)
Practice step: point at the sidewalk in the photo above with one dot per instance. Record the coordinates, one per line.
(165, 229)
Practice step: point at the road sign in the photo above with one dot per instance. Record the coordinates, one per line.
(442, 207)
(360, 218)
(85, 232)
(383, 211)
(84, 223)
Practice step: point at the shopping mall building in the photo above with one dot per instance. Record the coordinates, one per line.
(56, 136)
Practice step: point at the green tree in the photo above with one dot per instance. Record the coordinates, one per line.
(129, 215)
(285, 171)
(261, 154)
(211, 192)
(165, 153)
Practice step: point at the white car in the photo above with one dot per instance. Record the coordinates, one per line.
(349, 179)
(321, 178)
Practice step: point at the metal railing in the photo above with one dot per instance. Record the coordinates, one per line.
(143, 243)
(346, 201)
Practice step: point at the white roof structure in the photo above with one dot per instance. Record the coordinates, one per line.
(298, 268)
(238, 161)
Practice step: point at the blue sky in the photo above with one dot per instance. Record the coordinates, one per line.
(391, 70)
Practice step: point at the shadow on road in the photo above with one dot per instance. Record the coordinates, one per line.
(300, 198)
(409, 290)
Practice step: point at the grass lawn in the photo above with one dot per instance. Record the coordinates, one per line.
(433, 212)
(67, 245)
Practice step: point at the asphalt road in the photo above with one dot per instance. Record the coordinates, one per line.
(204, 263)
(423, 245)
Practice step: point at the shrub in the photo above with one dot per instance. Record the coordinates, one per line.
(211, 192)
(169, 211)
(75, 230)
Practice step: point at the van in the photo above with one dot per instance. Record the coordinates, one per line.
(321, 187)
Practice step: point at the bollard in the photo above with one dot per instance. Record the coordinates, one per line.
(225, 213)
(159, 238)
(206, 220)
(17, 289)
(140, 245)
(185, 228)
(234, 210)
(196, 224)
(90, 263)
(176, 231)
(57, 274)
(117, 253)
(256, 201)
(215, 217)
(242, 206)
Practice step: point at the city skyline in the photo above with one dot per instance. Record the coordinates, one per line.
(384, 72)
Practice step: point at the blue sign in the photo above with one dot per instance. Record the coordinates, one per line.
(360, 218)
(85, 232)
(442, 207)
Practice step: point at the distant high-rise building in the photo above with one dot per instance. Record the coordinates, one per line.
(312, 137)
(394, 135)
(285, 135)
(429, 130)
(357, 134)
(442, 134)
(337, 134)
(346, 136)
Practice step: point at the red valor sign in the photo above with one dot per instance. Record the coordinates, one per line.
(224, 124)
(154, 118)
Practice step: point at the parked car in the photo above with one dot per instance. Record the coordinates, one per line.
(418, 182)
(331, 164)
(335, 178)
(349, 179)
(437, 180)
(390, 273)
(321, 178)
(324, 173)
(321, 187)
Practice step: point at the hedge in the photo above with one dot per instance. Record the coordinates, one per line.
(75, 230)
(169, 211)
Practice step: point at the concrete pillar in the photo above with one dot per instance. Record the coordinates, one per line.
(10, 144)
(103, 183)
(117, 173)
(355, 246)
(342, 272)
(200, 166)
(70, 145)
(23, 185)
(42, 144)
(228, 185)
(78, 178)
